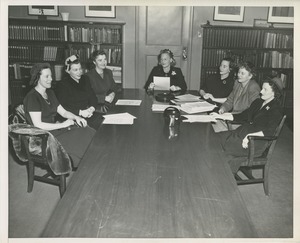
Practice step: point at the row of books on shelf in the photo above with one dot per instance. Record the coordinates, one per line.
(277, 40)
(29, 32)
(98, 35)
(36, 53)
(273, 59)
(113, 53)
(245, 38)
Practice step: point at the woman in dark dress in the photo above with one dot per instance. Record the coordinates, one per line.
(218, 86)
(102, 81)
(41, 108)
(75, 93)
(260, 119)
(165, 68)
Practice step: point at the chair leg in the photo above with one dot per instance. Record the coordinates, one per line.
(30, 172)
(62, 184)
(266, 180)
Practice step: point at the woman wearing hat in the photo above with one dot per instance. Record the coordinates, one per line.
(75, 93)
(260, 119)
(41, 107)
(166, 68)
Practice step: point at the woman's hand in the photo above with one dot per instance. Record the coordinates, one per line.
(175, 88)
(80, 121)
(85, 113)
(109, 98)
(208, 96)
(67, 123)
(224, 116)
(245, 142)
(151, 86)
(221, 110)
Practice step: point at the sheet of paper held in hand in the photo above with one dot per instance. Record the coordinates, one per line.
(129, 102)
(120, 118)
(161, 83)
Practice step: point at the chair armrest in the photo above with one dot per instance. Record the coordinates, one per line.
(266, 138)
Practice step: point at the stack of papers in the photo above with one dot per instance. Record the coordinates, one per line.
(187, 98)
(162, 107)
(120, 118)
(199, 118)
(197, 107)
(161, 83)
(129, 102)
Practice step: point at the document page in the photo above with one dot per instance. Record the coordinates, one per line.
(161, 83)
(129, 102)
(120, 118)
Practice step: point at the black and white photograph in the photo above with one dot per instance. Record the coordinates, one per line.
(146, 121)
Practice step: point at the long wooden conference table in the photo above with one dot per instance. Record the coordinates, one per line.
(135, 182)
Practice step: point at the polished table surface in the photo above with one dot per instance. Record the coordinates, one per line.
(135, 182)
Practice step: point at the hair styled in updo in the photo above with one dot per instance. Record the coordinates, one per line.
(36, 72)
(171, 55)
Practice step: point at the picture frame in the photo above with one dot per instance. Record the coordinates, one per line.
(261, 23)
(281, 15)
(43, 10)
(229, 13)
(100, 11)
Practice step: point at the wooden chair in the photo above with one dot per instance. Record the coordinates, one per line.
(261, 162)
(38, 159)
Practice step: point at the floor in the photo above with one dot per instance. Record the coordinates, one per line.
(272, 215)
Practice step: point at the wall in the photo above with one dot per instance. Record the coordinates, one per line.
(127, 14)
(123, 14)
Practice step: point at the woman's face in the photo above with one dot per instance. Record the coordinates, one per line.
(75, 71)
(100, 62)
(224, 67)
(165, 60)
(244, 75)
(45, 78)
(267, 92)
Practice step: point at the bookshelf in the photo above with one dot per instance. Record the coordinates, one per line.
(32, 41)
(269, 49)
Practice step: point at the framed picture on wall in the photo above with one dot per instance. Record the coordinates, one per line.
(281, 15)
(100, 11)
(43, 10)
(227, 13)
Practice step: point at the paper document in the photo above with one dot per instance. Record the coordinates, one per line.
(120, 118)
(161, 83)
(129, 102)
(187, 98)
(162, 107)
(197, 107)
(219, 126)
(199, 118)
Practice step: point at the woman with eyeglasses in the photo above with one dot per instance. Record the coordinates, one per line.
(166, 68)
(75, 93)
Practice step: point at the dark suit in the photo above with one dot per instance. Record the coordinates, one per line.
(175, 74)
(255, 119)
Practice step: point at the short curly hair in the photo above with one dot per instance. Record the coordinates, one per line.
(170, 53)
(249, 66)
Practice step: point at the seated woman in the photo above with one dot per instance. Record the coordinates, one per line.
(102, 80)
(260, 119)
(165, 68)
(245, 90)
(218, 87)
(75, 93)
(41, 107)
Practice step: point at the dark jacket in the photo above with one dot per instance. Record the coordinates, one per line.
(175, 74)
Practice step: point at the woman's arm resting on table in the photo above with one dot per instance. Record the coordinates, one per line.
(70, 116)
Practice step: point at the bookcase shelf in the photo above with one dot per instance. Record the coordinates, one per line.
(52, 41)
(269, 49)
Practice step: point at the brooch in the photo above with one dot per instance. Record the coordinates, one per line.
(267, 108)
(173, 73)
(224, 81)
